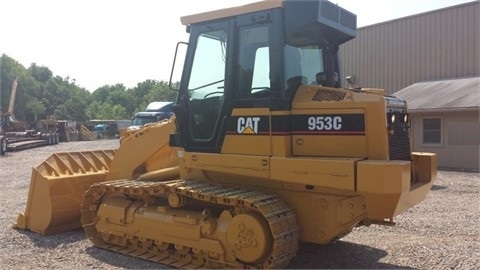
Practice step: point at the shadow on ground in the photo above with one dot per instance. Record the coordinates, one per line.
(336, 255)
(340, 255)
(46, 241)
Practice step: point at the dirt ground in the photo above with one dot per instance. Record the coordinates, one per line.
(440, 233)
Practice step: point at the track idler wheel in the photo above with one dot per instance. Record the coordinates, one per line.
(249, 237)
(176, 200)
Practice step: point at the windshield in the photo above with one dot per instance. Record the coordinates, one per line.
(140, 121)
(303, 63)
(208, 70)
(312, 65)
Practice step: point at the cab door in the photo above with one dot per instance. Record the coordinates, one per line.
(228, 70)
(201, 103)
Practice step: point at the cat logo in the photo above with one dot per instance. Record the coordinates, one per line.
(247, 125)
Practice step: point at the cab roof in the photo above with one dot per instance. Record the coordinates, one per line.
(227, 12)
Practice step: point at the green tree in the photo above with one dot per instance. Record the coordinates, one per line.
(36, 107)
(40, 93)
(41, 74)
(93, 109)
(149, 91)
(10, 70)
(109, 111)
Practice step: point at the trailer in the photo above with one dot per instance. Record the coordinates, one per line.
(15, 136)
(16, 141)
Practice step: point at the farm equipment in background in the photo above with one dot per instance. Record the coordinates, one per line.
(17, 141)
(254, 161)
(85, 133)
(9, 123)
(18, 137)
(107, 129)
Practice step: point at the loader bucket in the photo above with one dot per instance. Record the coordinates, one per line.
(57, 187)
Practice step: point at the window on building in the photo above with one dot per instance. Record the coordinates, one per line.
(432, 130)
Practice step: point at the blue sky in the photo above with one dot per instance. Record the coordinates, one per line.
(119, 41)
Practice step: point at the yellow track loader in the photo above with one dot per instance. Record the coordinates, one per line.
(265, 159)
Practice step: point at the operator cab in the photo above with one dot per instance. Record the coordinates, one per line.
(254, 56)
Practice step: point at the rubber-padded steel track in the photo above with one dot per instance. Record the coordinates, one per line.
(280, 219)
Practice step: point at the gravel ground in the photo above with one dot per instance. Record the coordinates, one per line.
(440, 233)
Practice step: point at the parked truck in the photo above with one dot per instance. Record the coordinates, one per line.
(156, 111)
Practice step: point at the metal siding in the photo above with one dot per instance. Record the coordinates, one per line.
(460, 40)
(450, 156)
(361, 60)
(410, 54)
(437, 71)
(461, 138)
(460, 156)
(428, 42)
(397, 58)
(422, 38)
(374, 61)
(443, 47)
(393, 55)
(476, 31)
(472, 22)
(430, 46)
(448, 44)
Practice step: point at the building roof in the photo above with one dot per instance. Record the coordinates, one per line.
(456, 94)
